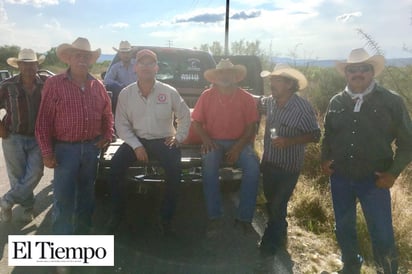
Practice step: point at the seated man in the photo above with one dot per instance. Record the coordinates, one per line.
(144, 120)
(120, 74)
(225, 118)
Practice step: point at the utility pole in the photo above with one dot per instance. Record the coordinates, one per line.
(227, 29)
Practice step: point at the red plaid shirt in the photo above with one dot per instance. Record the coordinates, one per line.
(68, 113)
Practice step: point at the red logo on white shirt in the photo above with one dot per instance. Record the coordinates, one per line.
(161, 98)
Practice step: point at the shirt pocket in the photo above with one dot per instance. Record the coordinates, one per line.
(163, 111)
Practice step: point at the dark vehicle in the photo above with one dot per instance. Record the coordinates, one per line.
(183, 69)
(4, 74)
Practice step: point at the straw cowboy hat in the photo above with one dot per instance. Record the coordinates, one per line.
(124, 46)
(25, 55)
(64, 51)
(225, 64)
(285, 70)
(358, 56)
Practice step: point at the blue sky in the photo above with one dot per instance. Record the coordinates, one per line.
(320, 29)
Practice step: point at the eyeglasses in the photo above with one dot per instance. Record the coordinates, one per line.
(359, 68)
(148, 65)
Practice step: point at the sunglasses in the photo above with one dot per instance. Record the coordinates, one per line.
(359, 68)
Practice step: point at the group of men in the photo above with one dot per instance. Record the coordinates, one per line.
(64, 121)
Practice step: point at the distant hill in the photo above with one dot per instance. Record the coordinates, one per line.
(396, 62)
(105, 57)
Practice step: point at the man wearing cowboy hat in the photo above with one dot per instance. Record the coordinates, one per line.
(225, 118)
(361, 124)
(20, 96)
(75, 121)
(122, 73)
(290, 124)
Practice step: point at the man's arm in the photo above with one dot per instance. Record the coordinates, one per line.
(110, 77)
(182, 113)
(124, 127)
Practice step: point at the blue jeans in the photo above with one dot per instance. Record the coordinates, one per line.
(170, 161)
(376, 207)
(248, 162)
(73, 187)
(24, 168)
(278, 186)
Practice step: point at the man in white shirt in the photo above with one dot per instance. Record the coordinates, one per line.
(145, 121)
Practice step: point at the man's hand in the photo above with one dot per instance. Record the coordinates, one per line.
(326, 167)
(385, 180)
(50, 161)
(102, 143)
(233, 154)
(171, 141)
(207, 146)
(281, 142)
(141, 154)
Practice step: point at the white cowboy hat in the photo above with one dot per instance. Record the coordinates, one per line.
(358, 56)
(25, 55)
(124, 46)
(225, 64)
(285, 70)
(64, 51)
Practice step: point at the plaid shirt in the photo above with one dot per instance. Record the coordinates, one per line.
(21, 107)
(71, 114)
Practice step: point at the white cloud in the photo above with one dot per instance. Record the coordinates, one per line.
(36, 3)
(3, 14)
(53, 25)
(115, 26)
(348, 17)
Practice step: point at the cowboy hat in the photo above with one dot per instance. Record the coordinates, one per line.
(64, 51)
(225, 64)
(124, 46)
(360, 55)
(25, 55)
(285, 70)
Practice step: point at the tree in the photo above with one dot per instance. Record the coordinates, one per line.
(215, 49)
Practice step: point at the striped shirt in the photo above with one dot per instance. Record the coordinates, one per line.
(296, 118)
(71, 114)
(21, 107)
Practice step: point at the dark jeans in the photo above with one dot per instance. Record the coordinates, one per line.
(376, 207)
(169, 159)
(278, 186)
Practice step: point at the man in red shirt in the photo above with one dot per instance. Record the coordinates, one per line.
(75, 121)
(225, 118)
